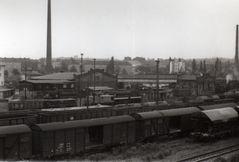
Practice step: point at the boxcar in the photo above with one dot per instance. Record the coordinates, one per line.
(15, 142)
(149, 124)
(77, 136)
(215, 123)
(178, 121)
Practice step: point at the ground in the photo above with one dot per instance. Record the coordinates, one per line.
(159, 150)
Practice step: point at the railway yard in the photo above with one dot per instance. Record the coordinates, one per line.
(138, 132)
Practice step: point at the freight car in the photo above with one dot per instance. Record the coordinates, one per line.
(215, 123)
(40, 104)
(78, 136)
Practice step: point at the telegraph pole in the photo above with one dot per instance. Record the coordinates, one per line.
(94, 83)
(157, 82)
(25, 69)
(81, 71)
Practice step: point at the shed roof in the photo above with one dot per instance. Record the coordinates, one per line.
(14, 129)
(50, 81)
(180, 111)
(57, 76)
(150, 115)
(223, 114)
(85, 123)
(218, 106)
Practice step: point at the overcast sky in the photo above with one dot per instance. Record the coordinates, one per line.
(119, 28)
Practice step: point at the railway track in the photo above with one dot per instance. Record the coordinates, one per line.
(212, 154)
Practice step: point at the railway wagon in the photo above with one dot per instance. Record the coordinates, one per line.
(215, 123)
(74, 113)
(178, 121)
(40, 104)
(73, 137)
(149, 124)
(15, 142)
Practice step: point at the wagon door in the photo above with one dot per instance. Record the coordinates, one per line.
(1, 148)
(80, 140)
(25, 143)
(108, 134)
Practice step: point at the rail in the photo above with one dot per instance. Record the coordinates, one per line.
(212, 154)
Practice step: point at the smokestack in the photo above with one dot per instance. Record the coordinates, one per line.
(49, 48)
(236, 50)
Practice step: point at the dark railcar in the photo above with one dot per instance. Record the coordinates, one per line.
(215, 123)
(178, 121)
(74, 137)
(15, 142)
(149, 124)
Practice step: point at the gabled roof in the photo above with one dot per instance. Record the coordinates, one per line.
(14, 129)
(57, 76)
(85, 123)
(47, 81)
(180, 111)
(150, 115)
(221, 115)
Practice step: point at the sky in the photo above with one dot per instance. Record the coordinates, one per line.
(120, 28)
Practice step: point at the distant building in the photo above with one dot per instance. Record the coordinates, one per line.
(66, 84)
(176, 66)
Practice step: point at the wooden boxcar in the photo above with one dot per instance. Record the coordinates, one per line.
(178, 121)
(15, 142)
(149, 124)
(74, 137)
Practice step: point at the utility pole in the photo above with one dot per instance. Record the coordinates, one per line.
(157, 82)
(94, 83)
(81, 71)
(25, 69)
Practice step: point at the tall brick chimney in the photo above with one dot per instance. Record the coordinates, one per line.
(49, 47)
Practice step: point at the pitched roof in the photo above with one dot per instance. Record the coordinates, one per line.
(57, 76)
(47, 81)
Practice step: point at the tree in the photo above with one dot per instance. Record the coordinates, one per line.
(110, 66)
(15, 71)
(124, 72)
(143, 69)
(73, 69)
(201, 67)
(64, 66)
(194, 66)
(217, 66)
(117, 69)
(204, 67)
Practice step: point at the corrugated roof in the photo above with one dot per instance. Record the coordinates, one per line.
(85, 123)
(180, 111)
(14, 129)
(150, 114)
(57, 76)
(217, 106)
(223, 114)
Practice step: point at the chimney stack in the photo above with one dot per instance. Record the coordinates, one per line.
(236, 50)
(49, 47)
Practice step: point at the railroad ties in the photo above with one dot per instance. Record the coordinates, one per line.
(212, 154)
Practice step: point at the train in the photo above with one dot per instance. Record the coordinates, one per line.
(70, 102)
(67, 138)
